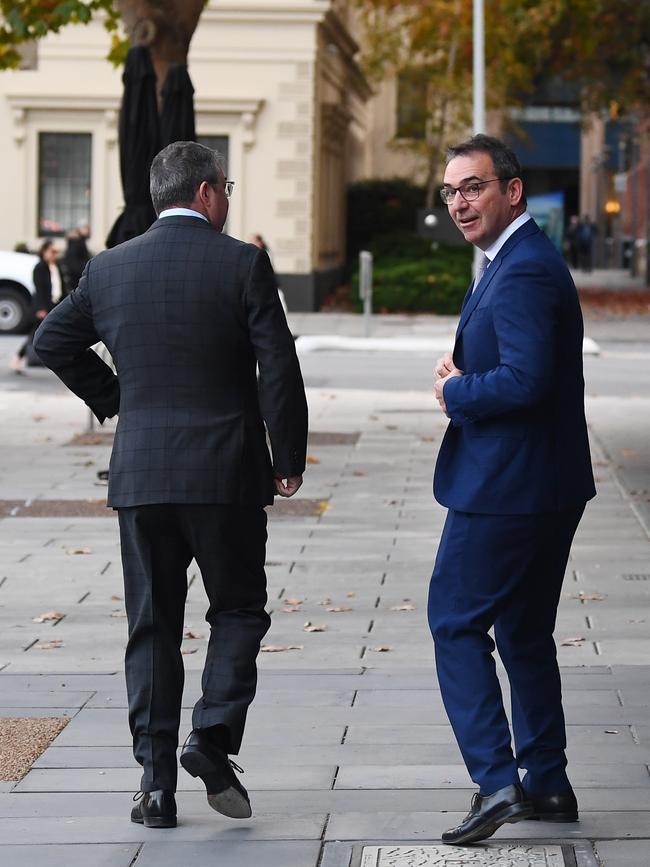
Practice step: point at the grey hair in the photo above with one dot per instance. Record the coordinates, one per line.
(505, 162)
(179, 170)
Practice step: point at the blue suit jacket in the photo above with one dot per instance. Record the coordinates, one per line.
(517, 442)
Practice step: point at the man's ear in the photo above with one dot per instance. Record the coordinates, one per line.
(516, 191)
(203, 193)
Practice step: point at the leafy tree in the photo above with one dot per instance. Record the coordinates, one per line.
(165, 26)
(602, 44)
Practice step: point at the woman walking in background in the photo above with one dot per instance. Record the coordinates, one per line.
(49, 287)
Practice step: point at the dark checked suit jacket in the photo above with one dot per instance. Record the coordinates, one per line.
(187, 313)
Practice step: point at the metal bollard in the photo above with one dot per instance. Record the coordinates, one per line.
(365, 288)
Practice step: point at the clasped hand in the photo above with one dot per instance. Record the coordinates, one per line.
(445, 369)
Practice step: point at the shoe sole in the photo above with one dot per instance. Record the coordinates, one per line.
(155, 822)
(555, 817)
(227, 801)
(515, 813)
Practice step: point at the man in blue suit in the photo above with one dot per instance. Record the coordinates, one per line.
(514, 470)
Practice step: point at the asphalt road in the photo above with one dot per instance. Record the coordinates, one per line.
(621, 370)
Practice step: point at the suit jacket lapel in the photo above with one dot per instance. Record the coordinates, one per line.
(472, 298)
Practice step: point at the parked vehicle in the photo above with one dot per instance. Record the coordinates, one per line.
(16, 291)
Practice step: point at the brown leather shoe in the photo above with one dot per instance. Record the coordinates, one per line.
(155, 809)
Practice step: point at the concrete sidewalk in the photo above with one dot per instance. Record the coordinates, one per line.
(348, 755)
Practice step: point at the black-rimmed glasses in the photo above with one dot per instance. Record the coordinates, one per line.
(469, 191)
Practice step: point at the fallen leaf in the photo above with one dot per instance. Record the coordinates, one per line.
(383, 648)
(322, 507)
(39, 417)
(116, 598)
(279, 648)
(292, 601)
(118, 613)
(358, 473)
(292, 609)
(187, 650)
(407, 607)
(325, 601)
(49, 645)
(78, 550)
(629, 453)
(313, 627)
(339, 610)
(312, 460)
(190, 634)
(588, 597)
(428, 439)
(600, 463)
(49, 615)
(572, 642)
(351, 594)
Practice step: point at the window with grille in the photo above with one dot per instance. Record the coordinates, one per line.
(64, 165)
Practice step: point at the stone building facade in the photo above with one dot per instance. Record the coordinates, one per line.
(277, 88)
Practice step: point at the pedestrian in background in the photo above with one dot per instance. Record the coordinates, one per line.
(187, 314)
(76, 255)
(571, 239)
(514, 471)
(586, 236)
(49, 290)
(259, 242)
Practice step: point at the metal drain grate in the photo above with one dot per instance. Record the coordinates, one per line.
(636, 576)
(505, 855)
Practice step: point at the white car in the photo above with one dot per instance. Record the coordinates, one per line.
(16, 291)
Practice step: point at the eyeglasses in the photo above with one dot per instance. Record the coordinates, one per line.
(228, 187)
(469, 192)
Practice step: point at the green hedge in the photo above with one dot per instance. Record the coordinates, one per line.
(408, 275)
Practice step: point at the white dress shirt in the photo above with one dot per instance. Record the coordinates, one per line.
(182, 212)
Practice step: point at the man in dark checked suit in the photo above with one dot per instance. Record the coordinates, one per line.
(187, 314)
(514, 470)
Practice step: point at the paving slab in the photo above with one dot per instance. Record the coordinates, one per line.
(67, 855)
(434, 776)
(200, 825)
(128, 779)
(229, 853)
(623, 853)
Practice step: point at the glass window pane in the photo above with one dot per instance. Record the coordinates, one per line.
(64, 181)
(217, 143)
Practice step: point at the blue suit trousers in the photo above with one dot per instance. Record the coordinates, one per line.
(503, 572)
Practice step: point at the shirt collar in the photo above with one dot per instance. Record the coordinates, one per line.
(181, 212)
(509, 230)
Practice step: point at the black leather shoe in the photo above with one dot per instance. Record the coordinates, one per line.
(202, 759)
(489, 812)
(155, 809)
(562, 807)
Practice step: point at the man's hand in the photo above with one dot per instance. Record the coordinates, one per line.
(438, 388)
(444, 366)
(287, 487)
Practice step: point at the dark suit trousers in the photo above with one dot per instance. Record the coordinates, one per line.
(228, 543)
(506, 572)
